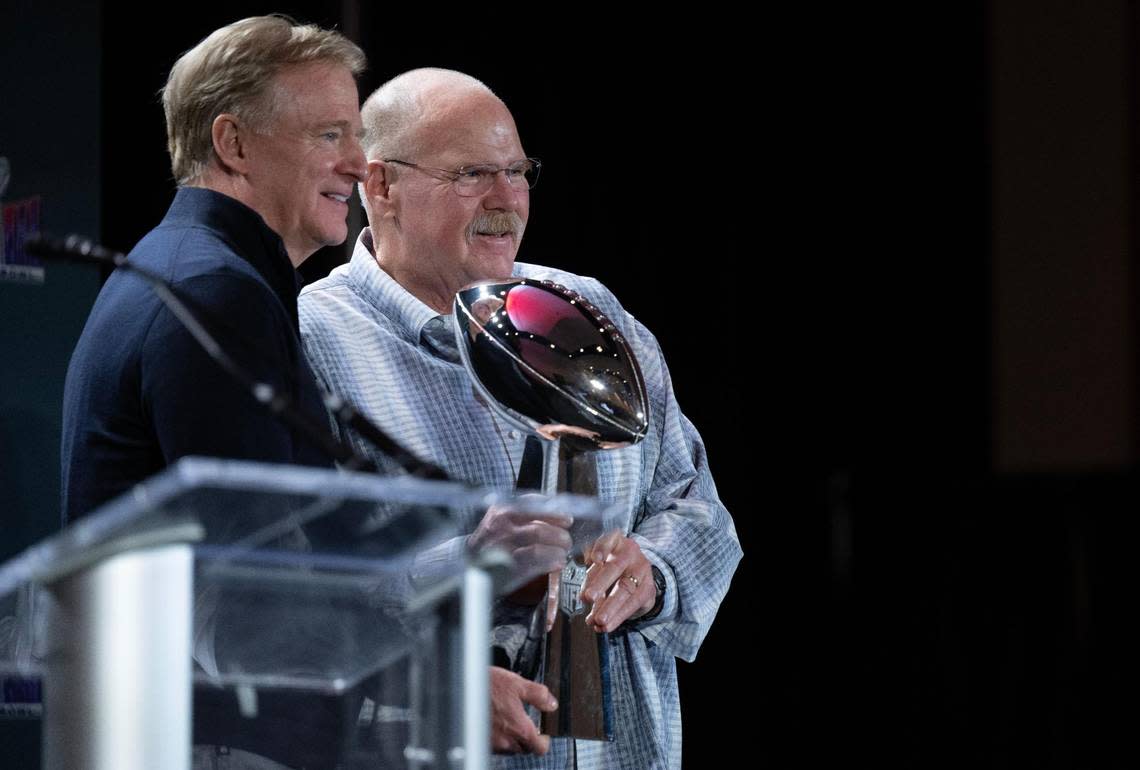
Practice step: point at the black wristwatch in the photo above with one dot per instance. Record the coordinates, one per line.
(659, 583)
(655, 610)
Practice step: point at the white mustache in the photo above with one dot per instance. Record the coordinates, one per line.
(497, 223)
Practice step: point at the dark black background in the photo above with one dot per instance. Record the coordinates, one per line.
(798, 203)
(797, 207)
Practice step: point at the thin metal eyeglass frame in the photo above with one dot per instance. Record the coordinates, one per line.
(454, 176)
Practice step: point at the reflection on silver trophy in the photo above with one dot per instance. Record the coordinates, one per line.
(551, 364)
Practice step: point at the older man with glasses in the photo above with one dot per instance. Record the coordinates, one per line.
(447, 198)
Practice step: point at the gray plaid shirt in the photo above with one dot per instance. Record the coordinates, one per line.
(365, 338)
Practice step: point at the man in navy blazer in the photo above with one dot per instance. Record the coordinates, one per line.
(263, 127)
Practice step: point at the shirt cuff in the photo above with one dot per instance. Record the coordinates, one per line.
(438, 562)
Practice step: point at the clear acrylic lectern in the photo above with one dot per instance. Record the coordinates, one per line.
(248, 579)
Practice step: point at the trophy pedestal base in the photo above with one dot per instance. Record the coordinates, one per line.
(577, 674)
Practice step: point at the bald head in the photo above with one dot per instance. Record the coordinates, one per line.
(399, 114)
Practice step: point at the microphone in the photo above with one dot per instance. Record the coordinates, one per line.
(75, 248)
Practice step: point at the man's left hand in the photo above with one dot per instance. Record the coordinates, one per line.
(619, 581)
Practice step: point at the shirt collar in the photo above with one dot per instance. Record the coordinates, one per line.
(244, 229)
(381, 290)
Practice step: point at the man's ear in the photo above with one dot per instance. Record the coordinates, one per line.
(228, 135)
(378, 183)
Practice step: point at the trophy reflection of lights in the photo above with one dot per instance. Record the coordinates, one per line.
(550, 363)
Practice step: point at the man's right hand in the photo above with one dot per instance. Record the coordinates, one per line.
(512, 732)
(538, 544)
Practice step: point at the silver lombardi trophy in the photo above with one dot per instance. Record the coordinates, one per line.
(553, 365)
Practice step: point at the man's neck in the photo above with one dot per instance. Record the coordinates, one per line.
(436, 294)
(433, 291)
(233, 187)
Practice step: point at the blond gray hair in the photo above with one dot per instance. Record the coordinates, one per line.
(232, 71)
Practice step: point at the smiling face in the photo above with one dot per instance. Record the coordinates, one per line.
(303, 165)
(435, 241)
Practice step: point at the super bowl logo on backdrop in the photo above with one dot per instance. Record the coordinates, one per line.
(19, 219)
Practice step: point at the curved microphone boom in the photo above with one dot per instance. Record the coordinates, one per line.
(75, 248)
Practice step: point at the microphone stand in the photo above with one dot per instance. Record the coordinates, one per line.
(77, 249)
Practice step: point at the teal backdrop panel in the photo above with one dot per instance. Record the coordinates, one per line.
(50, 97)
(49, 135)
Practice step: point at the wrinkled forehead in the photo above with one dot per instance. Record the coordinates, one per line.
(475, 128)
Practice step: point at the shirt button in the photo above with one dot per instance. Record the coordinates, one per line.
(514, 434)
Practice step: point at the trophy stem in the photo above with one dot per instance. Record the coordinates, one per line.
(575, 667)
(551, 466)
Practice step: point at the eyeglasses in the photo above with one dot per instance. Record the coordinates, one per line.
(476, 180)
